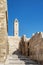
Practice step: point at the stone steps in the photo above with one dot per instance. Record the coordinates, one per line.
(1, 63)
(19, 60)
(23, 64)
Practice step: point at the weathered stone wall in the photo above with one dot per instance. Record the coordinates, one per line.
(36, 47)
(3, 30)
(24, 46)
(13, 44)
(33, 47)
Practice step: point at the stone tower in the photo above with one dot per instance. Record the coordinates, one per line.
(16, 27)
(3, 30)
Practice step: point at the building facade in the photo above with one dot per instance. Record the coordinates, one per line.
(3, 31)
(32, 48)
(14, 40)
(36, 46)
(24, 46)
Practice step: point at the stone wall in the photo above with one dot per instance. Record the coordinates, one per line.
(32, 47)
(24, 46)
(13, 44)
(3, 31)
(36, 47)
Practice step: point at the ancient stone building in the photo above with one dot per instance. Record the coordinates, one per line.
(24, 46)
(14, 40)
(32, 47)
(36, 46)
(3, 30)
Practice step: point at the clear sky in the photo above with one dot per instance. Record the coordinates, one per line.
(29, 14)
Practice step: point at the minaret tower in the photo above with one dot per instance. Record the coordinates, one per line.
(16, 27)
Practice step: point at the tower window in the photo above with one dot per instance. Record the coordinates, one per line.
(16, 24)
(16, 21)
(16, 33)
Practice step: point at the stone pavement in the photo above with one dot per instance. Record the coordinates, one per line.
(18, 59)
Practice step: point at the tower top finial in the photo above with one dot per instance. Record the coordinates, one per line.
(16, 20)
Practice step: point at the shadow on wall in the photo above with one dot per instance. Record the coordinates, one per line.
(26, 60)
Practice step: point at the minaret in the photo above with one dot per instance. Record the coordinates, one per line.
(16, 27)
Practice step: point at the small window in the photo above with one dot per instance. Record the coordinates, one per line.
(16, 33)
(16, 20)
(16, 24)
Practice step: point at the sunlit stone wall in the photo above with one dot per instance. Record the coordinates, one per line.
(36, 46)
(3, 30)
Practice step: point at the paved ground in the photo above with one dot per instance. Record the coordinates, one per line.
(17, 59)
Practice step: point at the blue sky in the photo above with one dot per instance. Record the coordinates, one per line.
(29, 14)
